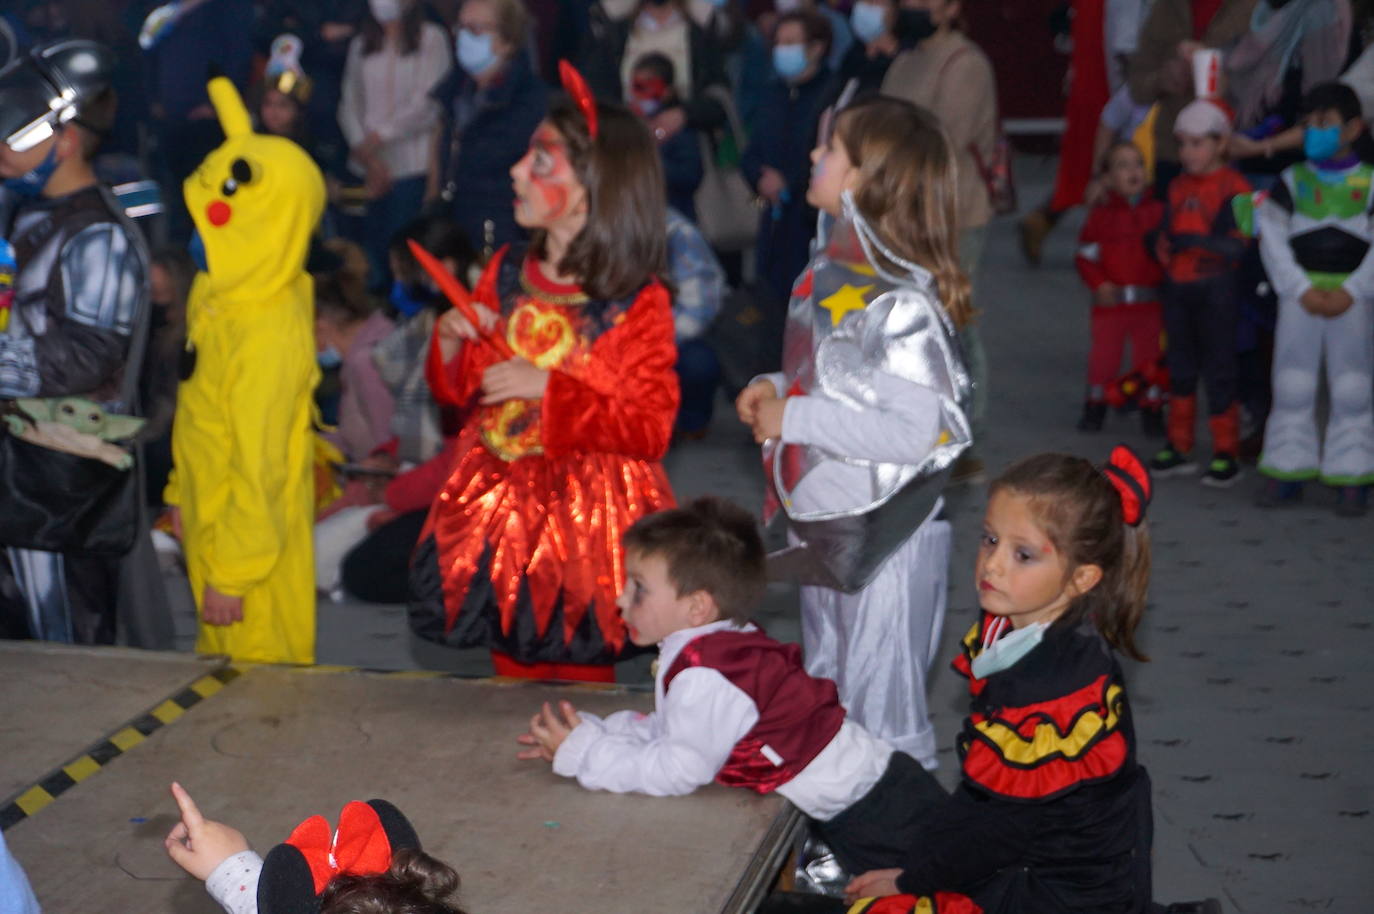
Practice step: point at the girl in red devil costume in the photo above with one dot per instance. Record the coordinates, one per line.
(570, 393)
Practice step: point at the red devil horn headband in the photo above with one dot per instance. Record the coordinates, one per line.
(1129, 476)
(576, 87)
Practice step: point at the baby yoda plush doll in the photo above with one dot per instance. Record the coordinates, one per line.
(74, 426)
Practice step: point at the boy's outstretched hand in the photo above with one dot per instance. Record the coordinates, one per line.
(197, 844)
(873, 884)
(547, 731)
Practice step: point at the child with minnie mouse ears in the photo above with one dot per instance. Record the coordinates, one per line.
(372, 861)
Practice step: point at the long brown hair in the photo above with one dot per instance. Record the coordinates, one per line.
(1080, 512)
(906, 190)
(412, 22)
(624, 242)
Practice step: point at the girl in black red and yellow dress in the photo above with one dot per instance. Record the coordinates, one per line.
(1052, 813)
(561, 446)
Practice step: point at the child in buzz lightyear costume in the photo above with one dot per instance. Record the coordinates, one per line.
(1315, 234)
(241, 489)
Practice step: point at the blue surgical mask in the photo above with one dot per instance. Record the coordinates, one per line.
(475, 54)
(31, 184)
(1321, 143)
(409, 298)
(329, 358)
(868, 20)
(789, 60)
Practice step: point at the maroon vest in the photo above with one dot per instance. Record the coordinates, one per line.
(798, 714)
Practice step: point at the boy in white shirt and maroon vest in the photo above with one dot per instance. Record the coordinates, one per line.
(732, 704)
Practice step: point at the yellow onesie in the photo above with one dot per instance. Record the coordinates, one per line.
(242, 442)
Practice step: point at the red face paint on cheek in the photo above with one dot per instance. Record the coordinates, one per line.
(555, 197)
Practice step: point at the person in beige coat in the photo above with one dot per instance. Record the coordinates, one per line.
(946, 73)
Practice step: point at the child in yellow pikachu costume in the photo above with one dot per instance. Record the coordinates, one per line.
(242, 488)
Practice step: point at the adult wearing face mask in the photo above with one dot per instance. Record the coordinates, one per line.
(874, 24)
(663, 27)
(388, 117)
(777, 161)
(948, 74)
(491, 104)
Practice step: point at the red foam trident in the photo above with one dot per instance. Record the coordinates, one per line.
(459, 297)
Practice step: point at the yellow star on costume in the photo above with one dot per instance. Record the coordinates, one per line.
(848, 298)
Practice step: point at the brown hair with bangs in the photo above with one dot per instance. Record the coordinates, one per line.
(708, 545)
(1080, 512)
(624, 244)
(906, 190)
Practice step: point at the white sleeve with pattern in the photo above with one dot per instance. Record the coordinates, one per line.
(234, 883)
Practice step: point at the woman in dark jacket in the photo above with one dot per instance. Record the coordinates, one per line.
(491, 103)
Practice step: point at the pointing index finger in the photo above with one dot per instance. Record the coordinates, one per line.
(190, 813)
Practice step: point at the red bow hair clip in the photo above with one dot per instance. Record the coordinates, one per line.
(296, 872)
(581, 94)
(1131, 479)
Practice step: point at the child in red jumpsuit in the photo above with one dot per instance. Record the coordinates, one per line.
(1116, 265)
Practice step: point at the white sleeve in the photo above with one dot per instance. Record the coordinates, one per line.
(234, 883)
(776, 378)
(628, 723)
(1360, 282)
(1360, 77)
(351, 96)
(689, 738)
(1288, 279)
(418, 112)
(902, 430)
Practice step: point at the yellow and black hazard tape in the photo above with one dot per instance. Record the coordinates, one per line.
(29, 801)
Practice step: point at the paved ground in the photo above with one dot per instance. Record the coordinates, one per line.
(1254, 716)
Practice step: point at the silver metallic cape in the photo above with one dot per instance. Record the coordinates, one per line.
(830, 352)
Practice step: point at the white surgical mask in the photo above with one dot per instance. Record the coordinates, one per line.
(385, 11)
(1003, 653)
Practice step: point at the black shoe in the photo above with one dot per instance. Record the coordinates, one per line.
(1222, 472)
(1354, 501)
(1279, 493)
(1094, 414)
(1206, 906)
(1152, 422)
(1168, 461)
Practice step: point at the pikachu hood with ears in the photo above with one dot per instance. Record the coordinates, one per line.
(243, 444)
(256, 200)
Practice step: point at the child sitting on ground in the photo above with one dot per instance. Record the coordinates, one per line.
(1315, 234)
(1053, 810)
(1201, 248)
(1116, 265)
(731, 704)
(371, 862)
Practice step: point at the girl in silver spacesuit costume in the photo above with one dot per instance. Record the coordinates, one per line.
(861, 425)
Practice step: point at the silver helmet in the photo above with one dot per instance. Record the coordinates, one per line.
(49, 86)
